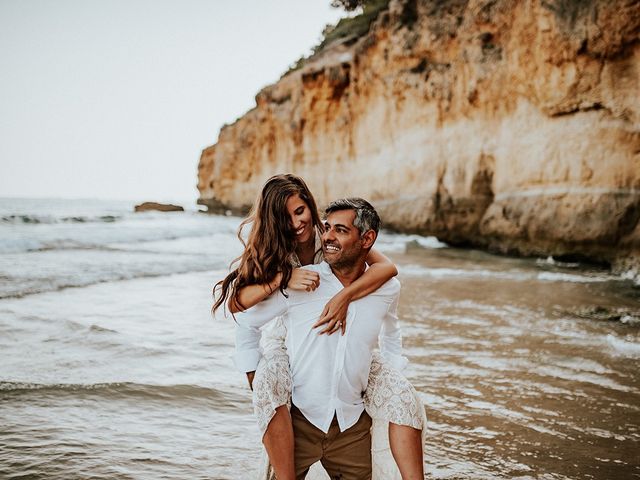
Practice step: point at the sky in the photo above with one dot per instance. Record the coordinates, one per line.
(116, 99)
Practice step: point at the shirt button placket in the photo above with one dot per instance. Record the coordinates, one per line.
(340, 359)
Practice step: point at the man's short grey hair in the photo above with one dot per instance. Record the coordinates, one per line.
(366, 216)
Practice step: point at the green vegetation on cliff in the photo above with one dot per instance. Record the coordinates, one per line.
(346, 28)
(353, 26)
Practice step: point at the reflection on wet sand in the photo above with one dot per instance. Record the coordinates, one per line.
(515, 384)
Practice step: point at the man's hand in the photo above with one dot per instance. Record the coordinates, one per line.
(335, 314)
(250, 376)
(302, 279)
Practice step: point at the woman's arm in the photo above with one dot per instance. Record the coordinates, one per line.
(380, 271)
(251, 295)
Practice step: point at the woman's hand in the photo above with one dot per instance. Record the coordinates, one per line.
(303, 279)
(334, 314)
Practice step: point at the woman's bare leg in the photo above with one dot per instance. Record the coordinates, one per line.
(278, 441)
(406, 447)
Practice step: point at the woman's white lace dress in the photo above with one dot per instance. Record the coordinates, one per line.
(389, 397)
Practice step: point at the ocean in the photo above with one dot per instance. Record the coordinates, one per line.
(112, 366)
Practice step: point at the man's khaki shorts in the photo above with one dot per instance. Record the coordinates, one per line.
(344, 455)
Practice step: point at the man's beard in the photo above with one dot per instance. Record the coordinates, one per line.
(348, 258)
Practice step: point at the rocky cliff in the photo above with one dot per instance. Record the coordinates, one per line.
(512, 125)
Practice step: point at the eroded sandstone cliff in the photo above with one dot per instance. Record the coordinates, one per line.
(512, 125)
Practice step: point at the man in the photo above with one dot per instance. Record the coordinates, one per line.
(330, 372)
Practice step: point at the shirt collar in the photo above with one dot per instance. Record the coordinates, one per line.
(325, 270)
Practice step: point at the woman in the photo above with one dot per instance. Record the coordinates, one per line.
(285, 235)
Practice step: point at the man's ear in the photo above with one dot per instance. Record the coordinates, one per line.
(368, 239)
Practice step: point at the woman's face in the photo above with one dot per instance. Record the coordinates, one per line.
(300, 216)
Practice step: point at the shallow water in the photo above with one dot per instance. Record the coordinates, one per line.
(515, 382)
(111, 366)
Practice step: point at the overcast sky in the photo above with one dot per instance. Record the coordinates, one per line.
(117, 98)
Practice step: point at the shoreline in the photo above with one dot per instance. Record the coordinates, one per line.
(625, 266)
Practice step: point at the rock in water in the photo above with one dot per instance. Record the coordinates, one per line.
(162, 207)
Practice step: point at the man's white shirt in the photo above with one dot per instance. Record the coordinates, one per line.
(329, 372)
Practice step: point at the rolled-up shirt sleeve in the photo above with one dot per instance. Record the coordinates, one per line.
(248, 333)
(391, 337)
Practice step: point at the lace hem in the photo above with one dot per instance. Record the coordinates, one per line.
(389, 398)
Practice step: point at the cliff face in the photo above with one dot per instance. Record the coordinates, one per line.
(512, 125)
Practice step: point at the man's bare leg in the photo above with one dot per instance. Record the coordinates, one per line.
(406, 447)
(278, 441)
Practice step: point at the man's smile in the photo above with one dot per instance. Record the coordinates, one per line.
(328, 248)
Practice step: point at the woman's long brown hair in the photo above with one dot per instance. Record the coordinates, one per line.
(271, 240)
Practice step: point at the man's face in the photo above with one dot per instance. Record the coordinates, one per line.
(341, 241)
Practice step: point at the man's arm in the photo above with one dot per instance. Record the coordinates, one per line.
(248, 324)
(390, 336)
